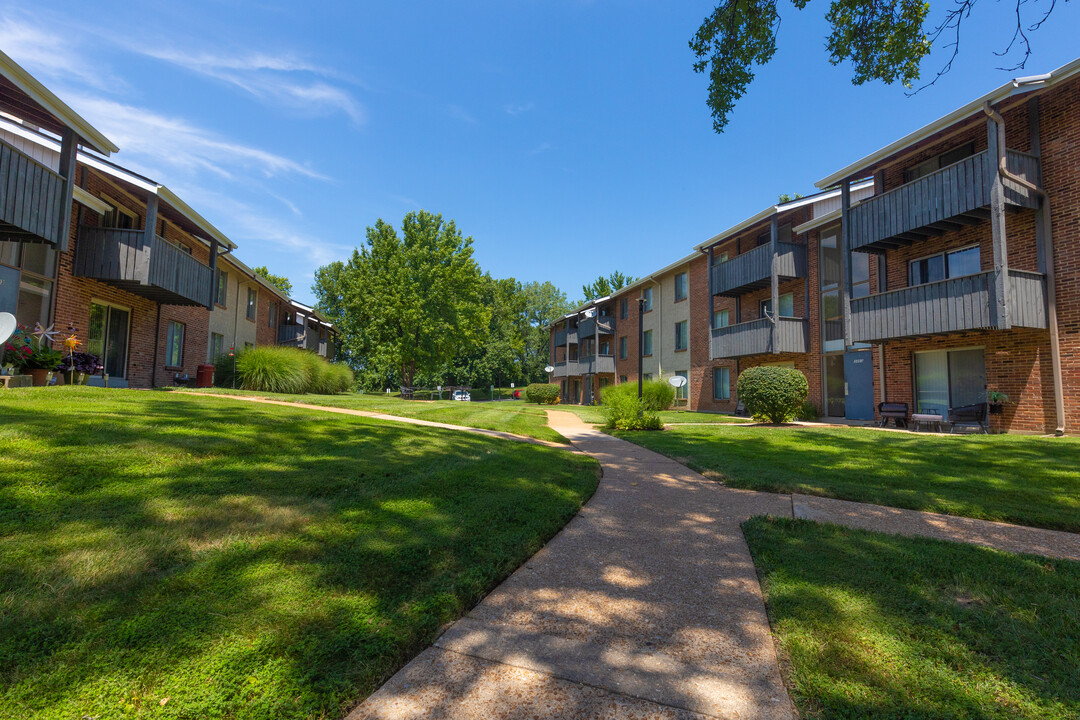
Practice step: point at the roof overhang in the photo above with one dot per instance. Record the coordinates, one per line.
(45, 109)
(1016, 86)
(86, 199)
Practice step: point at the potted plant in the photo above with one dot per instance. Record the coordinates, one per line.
(79, 367)
(34, 357)
(996, 400)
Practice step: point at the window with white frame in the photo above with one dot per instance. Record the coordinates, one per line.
(646, 342)
(721, 384)
(681, 286)
(721, 318)
(252, 304)
(647, 293)
(680, 335)
(174, 345)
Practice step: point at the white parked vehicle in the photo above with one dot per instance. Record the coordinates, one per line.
(462, 395)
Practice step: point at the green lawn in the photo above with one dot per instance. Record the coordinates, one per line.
(1021, 479)
(595, 414)
(888, 628)
(513, 416)
(176, 556)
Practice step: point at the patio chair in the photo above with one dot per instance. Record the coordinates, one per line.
(740, 410)
(970, 416)
(406, 393)
(897, 411)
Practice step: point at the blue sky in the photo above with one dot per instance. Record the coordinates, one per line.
(567, 137)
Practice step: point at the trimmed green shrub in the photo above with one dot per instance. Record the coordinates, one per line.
(290, 370)
(808, 411)
(542, 393)
(657, 395)
(623, 411)
(773, 394)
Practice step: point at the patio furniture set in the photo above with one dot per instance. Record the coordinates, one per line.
(972, 417)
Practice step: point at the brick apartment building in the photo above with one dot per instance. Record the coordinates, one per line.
(141, 276)
(932, 272)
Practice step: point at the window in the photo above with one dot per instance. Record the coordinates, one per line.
(646, 377)
(26, 286)
(720, 257)
(248, 346)
(222, 287)
(272, 322)
(721, 383)
(622, 348)
(646, 342)
(624, 309)
(174, 345)
(622, 378)
(934, 164)
(952, 378)
(681, 393)
(680, 335)
(647, 294)
(252, 304)
(605, 345)
(217, 346)
(120, 217)
(721, 318)
(787, 305)
(680, 287)
(952, 264)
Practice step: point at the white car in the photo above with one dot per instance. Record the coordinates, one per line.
(462, 395)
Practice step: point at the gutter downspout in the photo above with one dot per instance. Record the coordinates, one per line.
(157, 342)
(1051, 294)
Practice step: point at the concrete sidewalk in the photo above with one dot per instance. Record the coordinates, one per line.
(645, 605)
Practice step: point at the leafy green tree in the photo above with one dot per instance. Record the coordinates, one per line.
(786, 198)
(884, 41)
(544, 304)
(406, 305)
(279, 281)
(604, 286)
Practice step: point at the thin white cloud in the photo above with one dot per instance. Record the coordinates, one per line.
(541, 148)
(174, 142)
(459, 113)
(52, 55)
(516, 109)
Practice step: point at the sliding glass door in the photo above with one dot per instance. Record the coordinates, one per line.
(949, 378)
(108, 337)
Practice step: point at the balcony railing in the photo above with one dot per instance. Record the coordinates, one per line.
(753, 270)
(593, 365)
(560, 337)
(151, 268)
(953, 305)
(587, 327)
(560, 370)
(948, 199)
(756, 338)
(31, 198)
(290, 334)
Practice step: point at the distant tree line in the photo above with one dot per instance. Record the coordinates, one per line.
(414, 308)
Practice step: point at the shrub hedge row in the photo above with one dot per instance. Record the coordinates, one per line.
(283, 370)
(542, 393)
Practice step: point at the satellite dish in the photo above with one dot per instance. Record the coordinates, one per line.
(7, 326)
(549, 369)
(677, 381)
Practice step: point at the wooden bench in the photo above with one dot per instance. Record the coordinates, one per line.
(920, 419)
(896, 411)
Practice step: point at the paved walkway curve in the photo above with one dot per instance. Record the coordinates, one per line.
(646, 605)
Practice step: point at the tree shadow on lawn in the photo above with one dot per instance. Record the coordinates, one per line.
(879, 626)
(248, 560)
(1026, 480)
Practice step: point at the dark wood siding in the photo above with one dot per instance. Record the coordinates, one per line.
(756, 338)
(753, 269)
(31, 198)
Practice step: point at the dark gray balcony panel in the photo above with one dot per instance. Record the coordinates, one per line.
(154, 269)
(753, 270)
(31, 199)
(756, 338)
(587, 327)
(560, 337)
(560, 370)
(945, 200)
(953, 305)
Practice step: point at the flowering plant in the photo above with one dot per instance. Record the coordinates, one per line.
(87, 363)
(25, 353)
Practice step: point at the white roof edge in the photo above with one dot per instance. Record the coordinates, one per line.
(54, 105)
(1015, 86)
(818, 221)
(173, 199)
(651, 277)
(84, 198)
(767, 212)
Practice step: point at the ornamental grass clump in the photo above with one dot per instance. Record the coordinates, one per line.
(773, 394)
(623, 410)
(542, 393)
(284, 370)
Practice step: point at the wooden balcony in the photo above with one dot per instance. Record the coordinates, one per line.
(753, 270)
(156, 270)
(560, 337)
(560, 370)
(953, 305)
(572, 335)
(31, 199)
(291, 334)
(592, 365)
(949, 199)
(756, 337)
(587, 327)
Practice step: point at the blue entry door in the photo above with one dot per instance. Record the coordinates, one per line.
(859, 385)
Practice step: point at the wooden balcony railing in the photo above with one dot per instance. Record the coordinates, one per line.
(587, 327)
(953, 305)
(31, 198)
(756, 337)
(945, 200)
(154, 269)
(290, 335)
(753, 270)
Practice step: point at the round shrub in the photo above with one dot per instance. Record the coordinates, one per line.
(773, 394)
(623, 410)
(542, 393)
